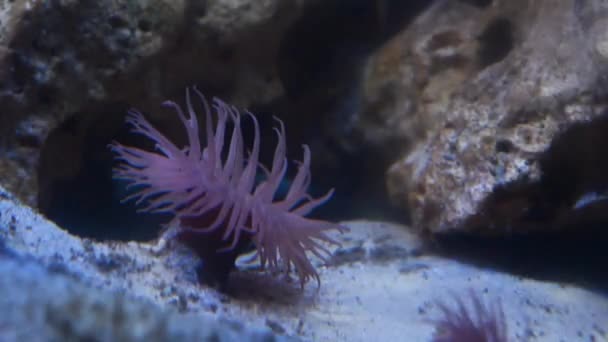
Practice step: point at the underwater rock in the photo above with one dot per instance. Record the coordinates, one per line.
(408, 81)
(60, 287)
(61, 59)
(41, 304)
(537, 71)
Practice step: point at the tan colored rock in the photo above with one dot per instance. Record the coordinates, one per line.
(409, 81)
(497, 119)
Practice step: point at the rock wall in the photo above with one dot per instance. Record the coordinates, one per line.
(499, 83)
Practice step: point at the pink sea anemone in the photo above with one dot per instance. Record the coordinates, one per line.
(479, 322)
(212, 190)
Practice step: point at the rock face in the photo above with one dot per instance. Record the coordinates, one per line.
(64, 309)
(500, 82)
(72, 59)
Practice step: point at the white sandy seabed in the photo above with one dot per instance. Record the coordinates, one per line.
(378, 287)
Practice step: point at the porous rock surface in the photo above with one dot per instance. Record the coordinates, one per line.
(481, 93)
(72, 59)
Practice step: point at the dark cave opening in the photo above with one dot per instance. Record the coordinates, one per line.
(321, 63)
(326, 47)
(76, 189)
(495, 42)
(568, 256)
(479, 3)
